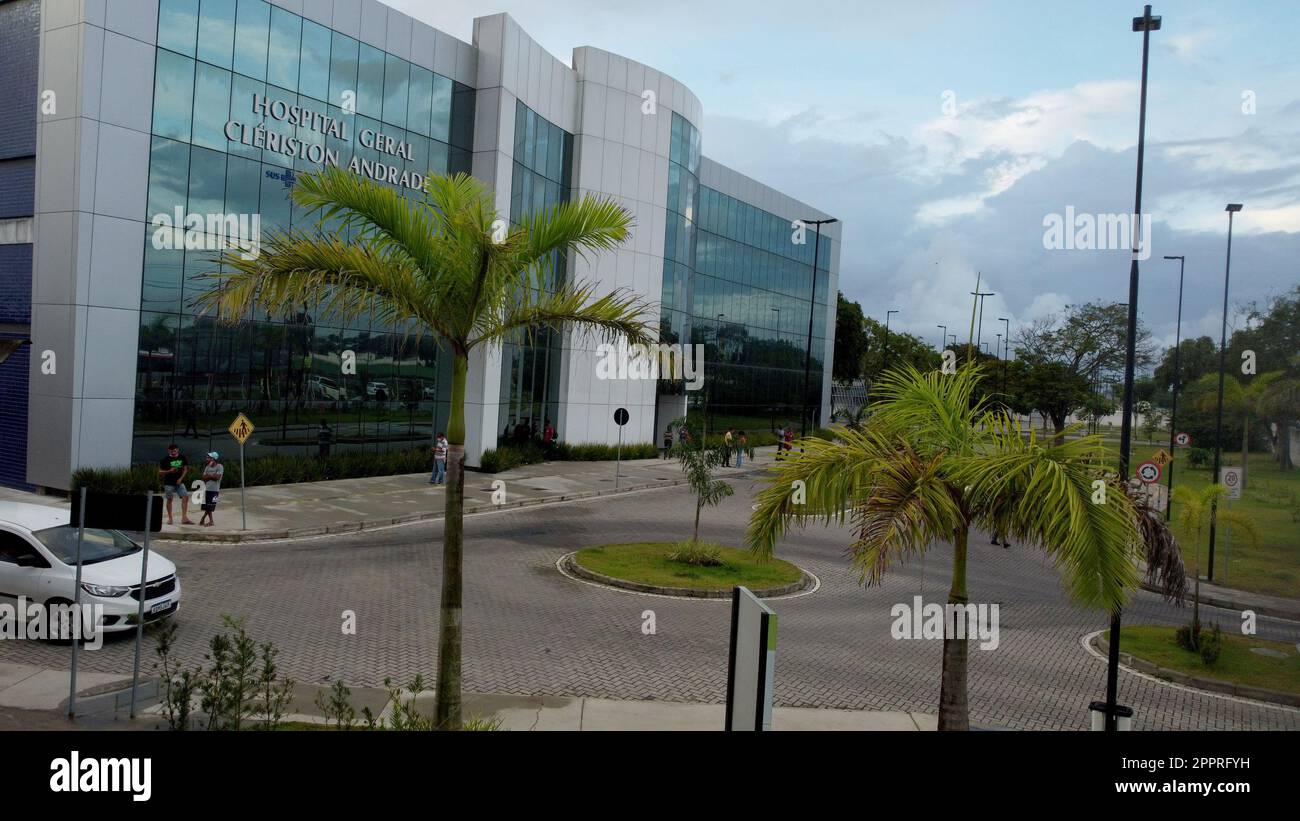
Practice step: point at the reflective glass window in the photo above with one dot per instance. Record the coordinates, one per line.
(178, 23)
(252, 28)
(397, 75)
(370, 82)
(314, 62)
(211, 106)
(173, 96)
(282, 56)
(217, 32)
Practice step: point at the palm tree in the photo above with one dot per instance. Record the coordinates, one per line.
(1242, 403)
(445, 265)
(936, 460)
(1195, 507)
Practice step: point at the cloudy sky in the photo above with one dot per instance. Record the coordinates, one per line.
(944, 132)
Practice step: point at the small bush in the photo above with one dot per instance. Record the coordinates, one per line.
(1198, 457)
(1211, 645)
(508, 456)
(700, 554)
(1188, 637)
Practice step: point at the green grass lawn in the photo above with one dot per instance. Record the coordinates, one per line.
(1272, 499)
(647, 563)
(1236, 663)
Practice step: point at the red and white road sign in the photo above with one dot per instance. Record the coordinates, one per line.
(1182, 440)
(1148, 473)
(1231, 479)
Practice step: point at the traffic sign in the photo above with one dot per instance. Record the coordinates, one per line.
(620, 417)
(1148, 473)
(242, 428)
(1231, 479)
(1183, 440)
(1162, 457)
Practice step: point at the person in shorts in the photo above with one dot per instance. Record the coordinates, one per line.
(212, 473)
(172, 469)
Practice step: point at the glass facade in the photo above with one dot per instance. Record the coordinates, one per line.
(530, 368)
(246, 96)
(738, 281)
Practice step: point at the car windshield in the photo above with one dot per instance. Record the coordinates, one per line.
(98, 546)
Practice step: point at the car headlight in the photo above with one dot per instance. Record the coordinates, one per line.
(106, 590)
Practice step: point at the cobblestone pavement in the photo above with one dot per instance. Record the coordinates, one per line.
(531, 631)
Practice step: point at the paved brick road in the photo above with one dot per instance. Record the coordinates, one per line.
(528, 630)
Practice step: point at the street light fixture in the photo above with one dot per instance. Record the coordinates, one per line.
(1145, 24)
(812, 310)
(1178, 383)
(943, 338)
(1232, 209)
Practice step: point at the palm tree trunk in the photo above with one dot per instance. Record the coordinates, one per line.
(447, 715)
(953, 707)
(696, 538)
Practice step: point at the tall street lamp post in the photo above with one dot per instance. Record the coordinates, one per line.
(1232, 208)
(943, 337)
(1006, 350)
(884, 362)
(1178, 383)
(812, 311)
(1145, 24)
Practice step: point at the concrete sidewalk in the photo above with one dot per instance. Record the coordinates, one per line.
(348, 505)
(36, 699)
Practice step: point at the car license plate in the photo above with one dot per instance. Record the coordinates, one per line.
(160, 606)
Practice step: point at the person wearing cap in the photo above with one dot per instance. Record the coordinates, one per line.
(212, 473)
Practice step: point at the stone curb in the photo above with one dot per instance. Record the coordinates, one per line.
(805, 579)
(1212, 685)
(1291, 612)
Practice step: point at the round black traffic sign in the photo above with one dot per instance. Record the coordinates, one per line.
(1148, 473)
(621, 417)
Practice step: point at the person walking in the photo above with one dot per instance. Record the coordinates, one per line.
(213, 471)
(743, 442)
(324, 438)
(727, 441)
(172, 469)
(668, 440)
(439, 460)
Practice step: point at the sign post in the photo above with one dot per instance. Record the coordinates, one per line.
(144, 594)
(620, 419)
(1231, 479)
(242, 428)
(751, 664)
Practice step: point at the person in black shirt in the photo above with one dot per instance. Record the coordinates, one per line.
(172, 469)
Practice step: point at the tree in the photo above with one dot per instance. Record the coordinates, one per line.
(935, 461)
(445, 266)
(1196, 357)
(1053, 389)
(699, 460)
(1082, 346)
(1272, 334)
(850, 340)
(903, 350)
(1281, 404)
(1241, 405)
(1194, 510)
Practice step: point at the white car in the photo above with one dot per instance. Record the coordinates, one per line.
(38, 552)
(325, 388)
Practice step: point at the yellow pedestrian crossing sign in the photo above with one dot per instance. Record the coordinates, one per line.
(242, 428)
(1162, 457)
